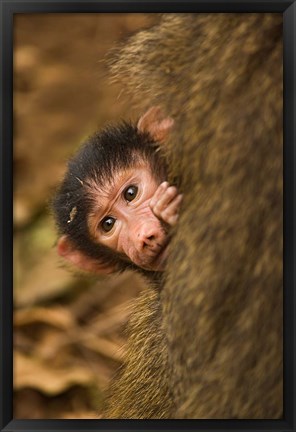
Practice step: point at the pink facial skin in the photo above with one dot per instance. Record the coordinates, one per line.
(129, 214)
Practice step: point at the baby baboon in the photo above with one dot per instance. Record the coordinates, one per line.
(114, 208)
(209, 345)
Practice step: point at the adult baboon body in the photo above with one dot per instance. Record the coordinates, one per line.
(209, 344)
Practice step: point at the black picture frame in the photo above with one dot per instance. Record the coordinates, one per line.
(7, 10)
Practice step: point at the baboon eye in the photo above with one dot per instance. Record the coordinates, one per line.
(108, 223)
(130, 193)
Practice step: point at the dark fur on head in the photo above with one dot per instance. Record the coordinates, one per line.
(102, 155)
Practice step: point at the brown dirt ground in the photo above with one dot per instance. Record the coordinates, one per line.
(68, 328)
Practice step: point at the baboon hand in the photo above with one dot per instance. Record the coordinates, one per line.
(166, 202)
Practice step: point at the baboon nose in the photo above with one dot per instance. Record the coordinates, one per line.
(149, 236)
(146, 239)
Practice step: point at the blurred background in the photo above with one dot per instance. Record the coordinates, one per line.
(68, 327)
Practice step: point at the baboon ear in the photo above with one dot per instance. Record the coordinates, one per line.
(156, 124)
(67, 250)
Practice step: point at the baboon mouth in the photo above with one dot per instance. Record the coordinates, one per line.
(160, 257)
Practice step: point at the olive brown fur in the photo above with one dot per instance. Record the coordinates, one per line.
(209, 344)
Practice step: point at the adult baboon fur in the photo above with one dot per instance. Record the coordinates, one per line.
(208, 345)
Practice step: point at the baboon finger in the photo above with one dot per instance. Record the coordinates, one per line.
(158, 194)
(171, 213)
(166, 198)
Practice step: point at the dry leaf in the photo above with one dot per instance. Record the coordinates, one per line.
(32, 372)
(57, 316)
